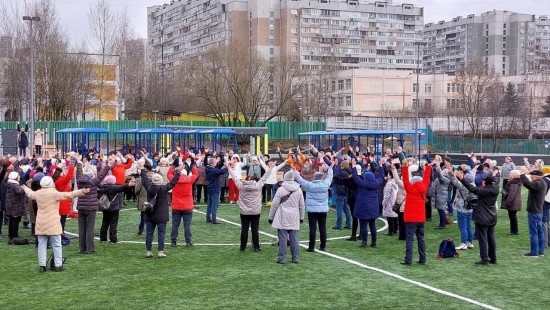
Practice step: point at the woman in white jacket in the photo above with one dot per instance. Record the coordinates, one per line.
(390, 195)
(250, 205)
(286, 214)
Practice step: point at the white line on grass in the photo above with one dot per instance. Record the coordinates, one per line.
(393, 275)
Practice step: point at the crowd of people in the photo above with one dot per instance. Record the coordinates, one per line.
(43, 190)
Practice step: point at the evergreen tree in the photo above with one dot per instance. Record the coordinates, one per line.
(511, 100)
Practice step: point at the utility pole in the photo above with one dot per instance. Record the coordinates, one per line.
(31, 19)
(416, 136)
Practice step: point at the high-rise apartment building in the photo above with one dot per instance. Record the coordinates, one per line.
(348, 33)
(511, 43)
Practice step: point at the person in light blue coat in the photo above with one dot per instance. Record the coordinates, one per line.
(366, 204)
(316, 205)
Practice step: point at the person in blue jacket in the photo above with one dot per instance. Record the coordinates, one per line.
(316, 205)
(366, 204)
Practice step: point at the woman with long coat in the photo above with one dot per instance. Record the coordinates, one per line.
(366, 204)
(511, 199)
(286, 214)
(48, 225)
(15, 205)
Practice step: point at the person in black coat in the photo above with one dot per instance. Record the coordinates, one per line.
(157, 193)
(23, 139)
(485, 217)
(115, 194)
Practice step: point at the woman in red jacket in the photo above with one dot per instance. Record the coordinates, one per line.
(119, 169)
(415, 215)
(62, 178)
(182, 203)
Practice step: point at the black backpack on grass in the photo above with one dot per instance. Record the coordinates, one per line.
(447, 249)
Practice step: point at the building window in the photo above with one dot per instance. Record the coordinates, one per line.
(340, 84)
(415, 87)
(428, 88)
(448, 87)
(348, 84)
(340, 101)
(348, 101)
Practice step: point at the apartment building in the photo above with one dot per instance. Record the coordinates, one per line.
(509, 42)
(347, 33)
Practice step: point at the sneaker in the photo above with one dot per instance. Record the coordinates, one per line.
(209, 221)
(59, 269)
(541, 254)
(161, 254)
(149, 254)
(216, 222)
(310, 250)
(336, 227)
(462, 246)
(42, 269)
(139, 233)
(470, 245)
(482, 263)
(351, 239)
(257, 250)
(405, 263)
(188, 244)
(363, 245)
(174, 244)
(530, 255)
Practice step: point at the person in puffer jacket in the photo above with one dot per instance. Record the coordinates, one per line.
(250, 205)
(390, 197)
(88, 205)
(15, 205)
(182, 203)
(286, 214)
(48, 225)
(115, 194)
(366, 204)
(62, 178)
(441, 193)
(415, 213)
(316, 205)
(464, 214)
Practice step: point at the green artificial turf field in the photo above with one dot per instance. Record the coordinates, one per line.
(214, 274)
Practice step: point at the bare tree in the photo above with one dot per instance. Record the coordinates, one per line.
(473, 81)
(104, 38)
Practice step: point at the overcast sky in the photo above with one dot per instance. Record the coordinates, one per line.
(73, 13)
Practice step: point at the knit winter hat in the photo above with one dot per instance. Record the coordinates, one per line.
(289, 176)
(157, 179)
(38, 176)
(109, 180)
(369, 176)
(318, 176)
(46, 182)
(13, 175)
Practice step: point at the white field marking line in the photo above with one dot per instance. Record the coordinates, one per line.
(393, 275)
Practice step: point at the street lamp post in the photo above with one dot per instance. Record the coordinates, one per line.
(416, 137)
(31, 108)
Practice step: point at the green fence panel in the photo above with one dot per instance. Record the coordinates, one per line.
(457, 144)
(277, 130)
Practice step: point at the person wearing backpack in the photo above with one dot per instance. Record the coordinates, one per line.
(485, 217)
(463, 210)
(114, 194)
(535, 206)
(157, 196)
(511, 199)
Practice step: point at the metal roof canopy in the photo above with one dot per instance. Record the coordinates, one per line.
(237, 130)
(378, 137)
(78, 139)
